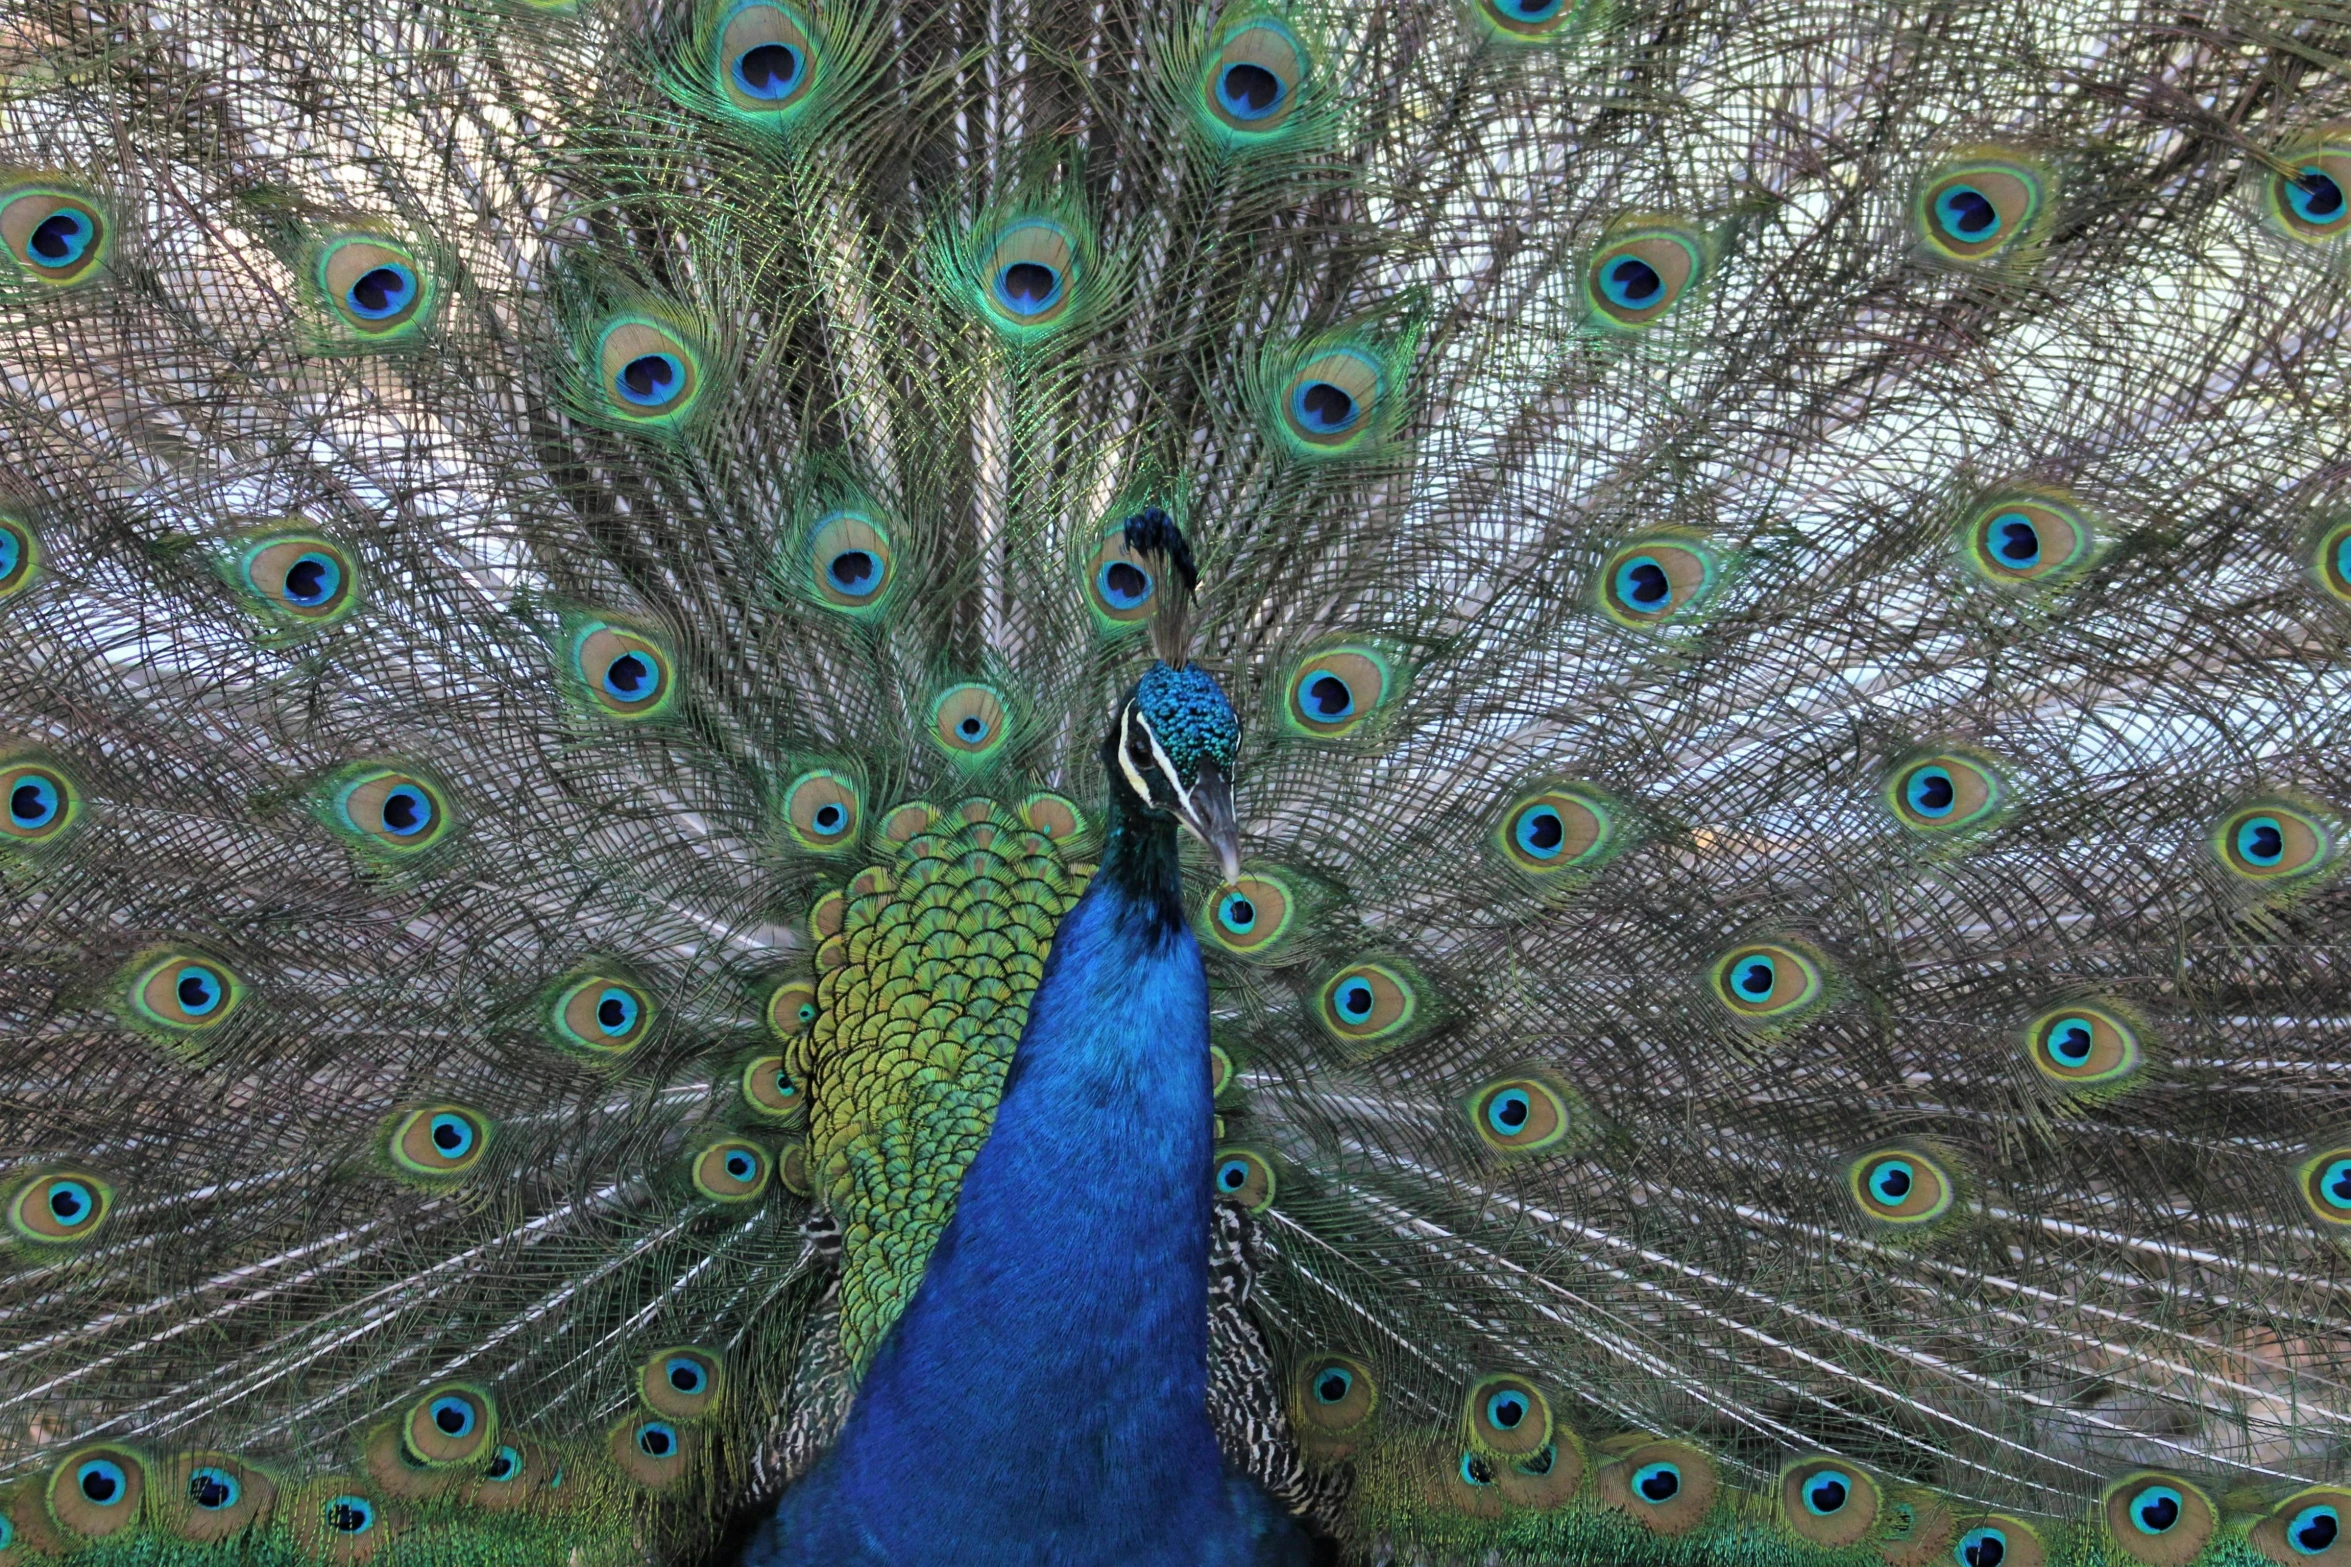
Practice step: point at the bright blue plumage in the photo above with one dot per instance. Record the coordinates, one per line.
(1044, 1397)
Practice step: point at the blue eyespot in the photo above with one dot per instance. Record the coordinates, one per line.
(1232, 1175)
(684, 1374)
(1529, 10)
(381, 292)
(1248, 91)
(1930, 792)
(657, 1439)
(312, 580)
(1508, 1110)
(629, 677)
(1506, 1411)
(505, 1464)
(213, 1489)
(453, 1416)
(1323, 409)
(1328, 699)
(1028, 287)
(1981, 1548)
(453, 1135)
(2314, 195)
(1333, 1385)
(199, 990)
(102, 1481)
(1826, 1491)
(2334, 1184)
(2014, 540)
(7, 1532)
(1756, 976)
(1121, 583)
(350, 1514)
(1657, 1484)
(828, 820)
(1891, 1181)
(2261, 840)
(1968, 214)
(60, 239)
(1631, 282)
(1236, 914)
(1642, 584)
(2070, 1040)
(408, 811)
(770, 72)
(11, 552)
(1475, 1470)
(1354, 1001)
(2313, 1529)
(1540, 832)
(33, 802)
(2155, 1509)
(70, 1202)
(650, 380)
(616, 1012)
(741, 1166)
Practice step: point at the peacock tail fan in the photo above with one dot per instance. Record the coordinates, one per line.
(1783, 566)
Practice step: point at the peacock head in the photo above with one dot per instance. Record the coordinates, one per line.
(1176, 736)
(1175, 742)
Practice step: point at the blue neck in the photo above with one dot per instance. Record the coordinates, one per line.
(1044, 1397)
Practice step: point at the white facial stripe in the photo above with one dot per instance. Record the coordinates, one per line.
(1167, 771)
(1126, 764)
(1131, 717)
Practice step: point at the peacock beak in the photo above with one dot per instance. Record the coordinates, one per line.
(1206, 810)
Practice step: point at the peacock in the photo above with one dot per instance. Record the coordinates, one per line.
(1083, 783)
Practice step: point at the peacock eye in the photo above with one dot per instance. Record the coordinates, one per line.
(439, 1141)
(622, 673)
(2326, 1185)
(2030, 539)
(1475, 1470)
(1982, 1548)
(1123, 584)
(1029, 272)
(651, 374)
(2156, 1509)
(56, 1209)
(1901, 1187)
(1769, 983)
(213, 1489)
(101, 1481)
(2272, 841)
(1252, 81)
(731, 1170)
(38, 799)
(1652, 580)
(821, 810)
(682, 1383)
(505, 1464)
(1826, 1493)
(350, 1514)
(2313, 1529)
(1657, 1483)
(1244, 1178)
(2085, 1046)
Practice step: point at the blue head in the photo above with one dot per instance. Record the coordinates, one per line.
(1174, 747)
